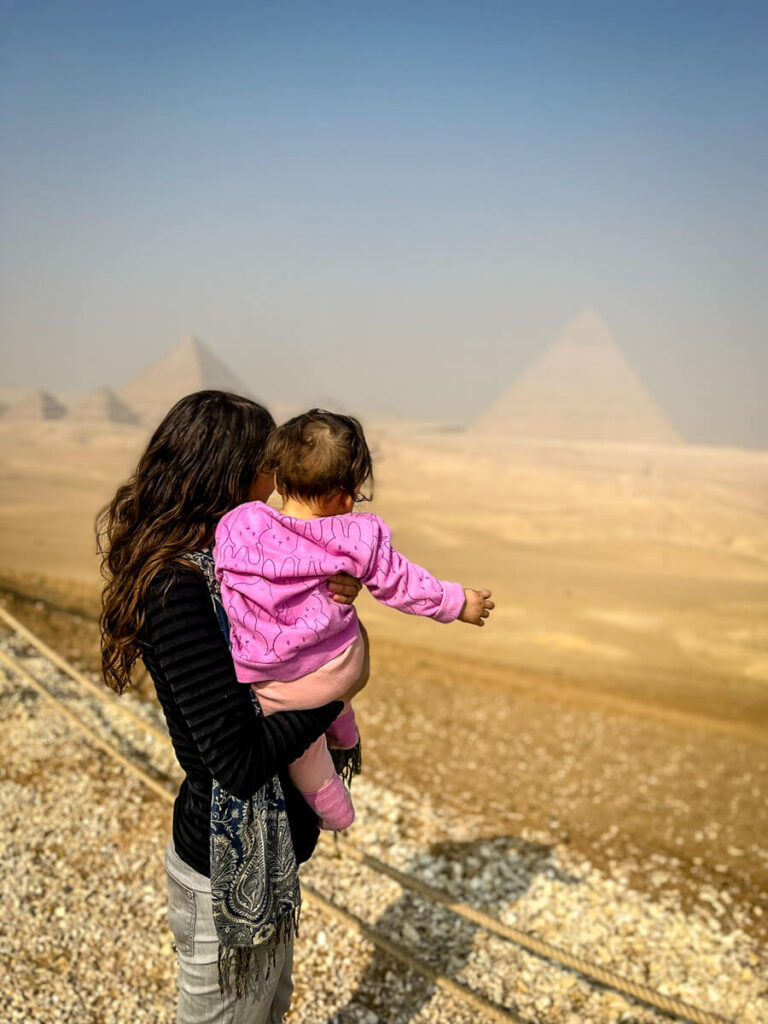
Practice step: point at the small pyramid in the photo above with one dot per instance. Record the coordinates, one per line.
(36, 406)
(188, 366)
(582, 388)
(102, 406)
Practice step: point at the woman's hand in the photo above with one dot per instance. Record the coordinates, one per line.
(344, 588)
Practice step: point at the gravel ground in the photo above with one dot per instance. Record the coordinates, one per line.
(83, 936)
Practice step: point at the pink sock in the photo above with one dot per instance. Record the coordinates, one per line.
(333, 805)
(342, 732)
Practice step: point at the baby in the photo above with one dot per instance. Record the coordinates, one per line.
(291, 642)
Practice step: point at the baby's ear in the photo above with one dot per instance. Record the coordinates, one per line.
(347, 501)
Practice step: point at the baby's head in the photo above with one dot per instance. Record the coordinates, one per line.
(321, 459)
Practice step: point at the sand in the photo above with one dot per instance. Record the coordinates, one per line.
(620, 692)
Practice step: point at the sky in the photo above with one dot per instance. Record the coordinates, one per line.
(391, 206)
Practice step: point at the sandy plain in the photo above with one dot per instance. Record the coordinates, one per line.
(618, 699)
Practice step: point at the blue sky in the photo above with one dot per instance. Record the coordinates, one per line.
(390, 206)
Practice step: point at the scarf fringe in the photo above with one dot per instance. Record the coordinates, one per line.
(244, 970)
(347, 763)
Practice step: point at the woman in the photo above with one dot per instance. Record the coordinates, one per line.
(154, 537)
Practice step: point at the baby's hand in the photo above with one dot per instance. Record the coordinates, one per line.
(477, 607)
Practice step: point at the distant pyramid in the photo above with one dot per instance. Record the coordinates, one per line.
(581, 388)
(102, 406)
(189, 366)
(39, 405)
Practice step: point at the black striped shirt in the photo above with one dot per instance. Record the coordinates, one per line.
(211, 720)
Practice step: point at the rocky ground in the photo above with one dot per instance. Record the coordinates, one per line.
(671, 798)
(83, 936)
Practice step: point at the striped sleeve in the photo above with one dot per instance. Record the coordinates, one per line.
(239, 749)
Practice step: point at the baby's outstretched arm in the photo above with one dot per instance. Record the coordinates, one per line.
(477, 607)
(401, 584)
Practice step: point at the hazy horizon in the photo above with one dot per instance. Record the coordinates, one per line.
(397, 209)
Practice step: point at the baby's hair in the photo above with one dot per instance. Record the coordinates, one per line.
(318, 454)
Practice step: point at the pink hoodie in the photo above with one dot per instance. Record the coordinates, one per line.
(273, 570)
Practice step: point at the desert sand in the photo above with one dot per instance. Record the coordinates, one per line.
(641, 565)
(619, 695)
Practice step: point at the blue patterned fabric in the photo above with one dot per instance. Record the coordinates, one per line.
(254, 875)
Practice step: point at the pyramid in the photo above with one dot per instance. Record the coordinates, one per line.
(38, 405)
(581, 388)
(102, 406)
(188, 366)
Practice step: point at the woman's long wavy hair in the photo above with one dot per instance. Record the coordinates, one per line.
(199, 464)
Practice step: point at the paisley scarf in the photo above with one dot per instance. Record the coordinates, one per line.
(254, 875)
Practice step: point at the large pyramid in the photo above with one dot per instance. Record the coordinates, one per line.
(189, 366)
(102, 406)
(38, 405)
(581, 388)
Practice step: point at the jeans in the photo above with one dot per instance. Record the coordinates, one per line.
(191, 921)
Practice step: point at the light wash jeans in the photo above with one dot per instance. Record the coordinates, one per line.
(191, 921)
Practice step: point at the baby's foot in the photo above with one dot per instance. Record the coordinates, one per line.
(342, 733)
(333, 805)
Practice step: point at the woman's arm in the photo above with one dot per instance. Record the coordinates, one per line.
(240, 750)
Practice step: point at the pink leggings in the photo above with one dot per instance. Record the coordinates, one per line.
(314, 769)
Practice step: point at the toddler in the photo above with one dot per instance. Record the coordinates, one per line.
(291, 641)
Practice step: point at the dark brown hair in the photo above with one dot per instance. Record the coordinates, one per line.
(199, 464)
(317, 454)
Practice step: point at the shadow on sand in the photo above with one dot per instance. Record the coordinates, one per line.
(489, 874)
